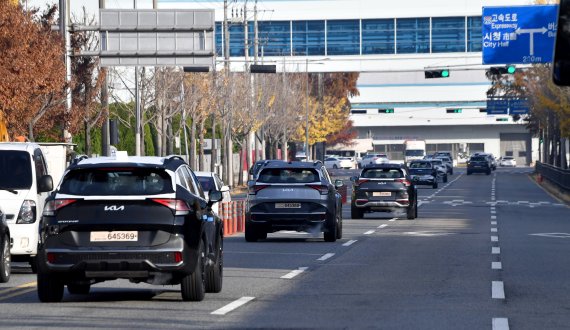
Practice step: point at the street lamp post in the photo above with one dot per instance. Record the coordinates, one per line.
(307, 108)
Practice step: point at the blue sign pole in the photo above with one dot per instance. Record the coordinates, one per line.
(519, 35)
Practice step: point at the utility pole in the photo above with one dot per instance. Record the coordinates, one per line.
(105, 134)
(307, 154)
(63, 27)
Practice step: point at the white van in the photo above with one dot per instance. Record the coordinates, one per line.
(24, 185)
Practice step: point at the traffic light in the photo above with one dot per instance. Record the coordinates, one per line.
(196, 69)
(444, 73)
(385, 110)
(507, 69)
(262, 68)
(454, 110)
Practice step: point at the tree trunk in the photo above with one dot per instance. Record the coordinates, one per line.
(242, 158)
(201, 166)
(284, 150)
(213, 151)
(87, 138)
(192, 160)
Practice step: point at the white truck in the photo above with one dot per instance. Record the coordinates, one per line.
(28, 173)
(414, 149)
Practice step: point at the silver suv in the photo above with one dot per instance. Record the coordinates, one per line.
(296, 196)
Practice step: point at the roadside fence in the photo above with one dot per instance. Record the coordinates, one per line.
(555, 175)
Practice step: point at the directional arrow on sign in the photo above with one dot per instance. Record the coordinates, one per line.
(531, 32)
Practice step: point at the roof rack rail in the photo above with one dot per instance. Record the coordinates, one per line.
(317, 162)
(77, 159)
(170, 158)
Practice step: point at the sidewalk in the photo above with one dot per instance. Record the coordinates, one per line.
(552, 188)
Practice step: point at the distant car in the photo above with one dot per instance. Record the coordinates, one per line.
(383, 188)
(5, 257)
(447, 162)
(212, 182)
(423, 172)
(444, 154)
(339, 162)
(490, 158)
(442, 169)
(373, 159)
(294, 196)
(508, 161)
(144, 219)
(478, 164)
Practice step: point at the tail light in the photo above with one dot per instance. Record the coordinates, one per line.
(405, 182)
(256, 188)
(177, 257)
(56, 204)
(322, 189)
(51, 257)
(178, 206)
(27, 212)
(361, 181)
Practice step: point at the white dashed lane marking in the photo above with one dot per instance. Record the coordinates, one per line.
(349, 243)
(232, 306)
(497, 290)
(495, 250)
(369, 232)
(326, 256)
(496, 265)
(294, 273)
(494, 238)
(382, 226)
(500, 323)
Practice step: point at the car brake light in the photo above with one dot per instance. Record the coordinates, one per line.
(322, 189)
(361, 181)
(404, 181)
(255, 189)
(56, 204)
(51, 257)
(178, 206)
(177, 257)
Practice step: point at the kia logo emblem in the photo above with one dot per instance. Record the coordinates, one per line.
(115, 208)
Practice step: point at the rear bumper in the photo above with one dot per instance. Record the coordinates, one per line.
(290, 221)
(424, 179)
(118, 262)
(24, 238)
(386, 205)
(478, 169)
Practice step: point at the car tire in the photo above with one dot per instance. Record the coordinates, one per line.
(215, 272)
(5, 260)
(193, 286)
(74, 288)
(253, 234)
(50, 288)
(356, 213)
(330, 234)
(445, 179)
(411, 212)
(451, 171)
(335, 167)
(34, 265)
(339, 225)
(488, 172)
(435, 185)
(468, 173)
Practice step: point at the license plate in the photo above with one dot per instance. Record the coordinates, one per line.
(114, 236)
(381, 193)
(287, 205)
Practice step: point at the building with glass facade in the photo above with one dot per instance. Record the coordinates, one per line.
(391, 44)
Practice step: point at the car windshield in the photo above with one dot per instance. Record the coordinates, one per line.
(120, 181)
(288, 175)
(508, 158)
(15, 170)
(436, 162)
(420, 165)
(478, 159)
(207, 183)
(382, 173)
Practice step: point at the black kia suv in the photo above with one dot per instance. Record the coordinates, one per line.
(384, 188)
(479, 163)
(139, 218)
(5, 246)
(296, 196)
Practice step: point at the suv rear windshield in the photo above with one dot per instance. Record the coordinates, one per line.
(288, 175)
(420, 165)
(15, 170)
(116, 181)
(382, 173)
(478, 159)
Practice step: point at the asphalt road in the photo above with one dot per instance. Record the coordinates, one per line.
(487, 252)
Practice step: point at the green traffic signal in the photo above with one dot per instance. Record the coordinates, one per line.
(445, 73)
(511, 69)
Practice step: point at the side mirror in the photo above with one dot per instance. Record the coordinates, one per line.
(215, 196)
(250, 183)
(353, 178)
(338, 183)
(45, 184)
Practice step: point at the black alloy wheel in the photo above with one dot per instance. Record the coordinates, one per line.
(5, 260)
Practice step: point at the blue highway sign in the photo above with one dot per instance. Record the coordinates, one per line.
(507, 106)
(519, 34)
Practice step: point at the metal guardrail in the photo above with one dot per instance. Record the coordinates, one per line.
(557, 176)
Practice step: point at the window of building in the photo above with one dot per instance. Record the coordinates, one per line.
(236, 40)
(447, 34)
(412, 35)
(274, 38)
(219, 39)
(343, 37)
(309, 38)
(474, 33)
(378, 36)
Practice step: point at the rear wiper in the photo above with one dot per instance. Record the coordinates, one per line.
(10, 190)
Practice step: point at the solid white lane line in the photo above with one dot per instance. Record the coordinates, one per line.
(233, 305)
(494, 238)
(349, 243)
(493, 230)
(496, 265)
(494, 223)
(383, 226)
(500, 323)
(326, 256)
(294, 273)
(497, 290)
(369, 232)
(496, 250)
